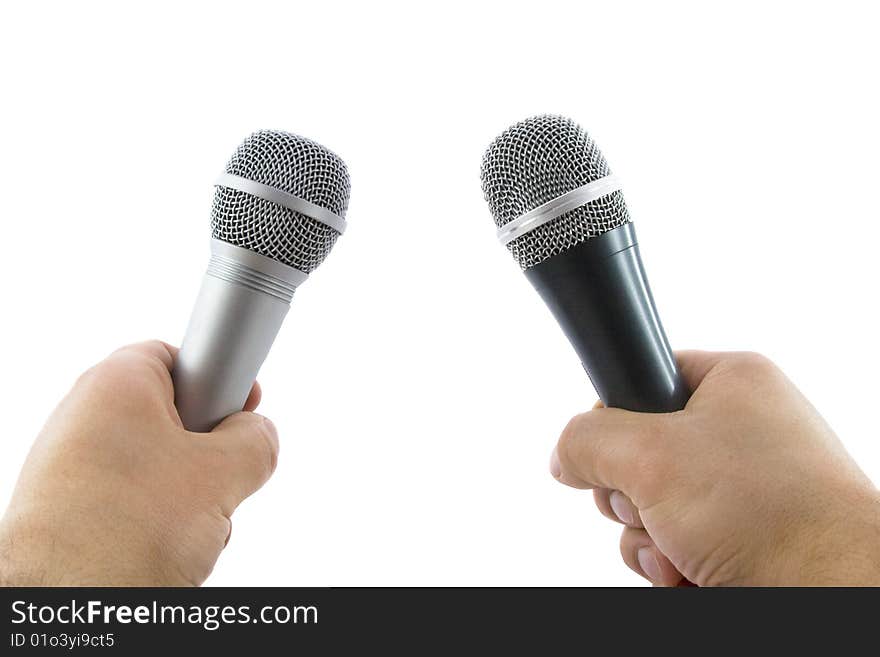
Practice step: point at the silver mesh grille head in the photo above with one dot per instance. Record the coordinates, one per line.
(536, 161)
(292, 164)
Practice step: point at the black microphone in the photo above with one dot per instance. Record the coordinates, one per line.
(561, 213)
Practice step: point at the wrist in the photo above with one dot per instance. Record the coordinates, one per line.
(843, 549)
(36, 550)
(21, 560)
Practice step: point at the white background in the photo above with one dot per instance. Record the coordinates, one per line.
(418, 383)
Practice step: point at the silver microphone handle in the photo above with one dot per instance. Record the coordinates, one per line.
(242, 302)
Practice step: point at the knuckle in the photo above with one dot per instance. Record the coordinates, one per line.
(626, 547)
(655, 457)
(571, 435)
(752, 363)
(123, 378)
(88, 377)
(266, 455)
(574, 429)
(103, 378)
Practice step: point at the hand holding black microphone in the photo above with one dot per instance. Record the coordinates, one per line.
(743, 483)
(561, 213)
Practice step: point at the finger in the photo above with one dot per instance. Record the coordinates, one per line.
(616, 506)
(642, 556)
(254, 397)
(140, 371)
(156, 349)
(612, 448)
(695, 365)
(603, 503)
(243, 450)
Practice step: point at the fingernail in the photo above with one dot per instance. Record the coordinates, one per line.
(648, 563)
(555, 465)
(621, 507)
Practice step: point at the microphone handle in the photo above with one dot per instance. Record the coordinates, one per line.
(242, 302)
(599, 294)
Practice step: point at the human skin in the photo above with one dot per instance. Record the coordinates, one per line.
(746, 486)
(116, 492)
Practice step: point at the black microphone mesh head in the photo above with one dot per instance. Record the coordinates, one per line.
(292, 164)
(536, 161)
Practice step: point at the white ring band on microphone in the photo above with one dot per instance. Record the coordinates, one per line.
(558, 206)
(295, 203)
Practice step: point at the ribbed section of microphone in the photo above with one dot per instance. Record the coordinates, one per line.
(278, 209)
(560, 212)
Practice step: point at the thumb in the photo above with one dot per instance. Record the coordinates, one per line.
(247, 444)
(616, 449)
(695, 365)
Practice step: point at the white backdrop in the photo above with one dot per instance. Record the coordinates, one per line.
(419, 384)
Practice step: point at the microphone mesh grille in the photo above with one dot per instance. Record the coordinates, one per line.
(292, 164)
(536, 161)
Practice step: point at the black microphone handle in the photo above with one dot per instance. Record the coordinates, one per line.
(599, 294)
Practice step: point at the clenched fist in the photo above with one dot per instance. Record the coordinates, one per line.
(116, 492)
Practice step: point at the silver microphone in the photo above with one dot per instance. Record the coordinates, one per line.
(278, 209)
